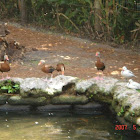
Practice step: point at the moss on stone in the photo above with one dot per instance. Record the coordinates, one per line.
(103, 99)
(114, 103)
(97, 94)
(18, 100)
(69, 99)
(3, 99)
(128, 116)
(34, 93)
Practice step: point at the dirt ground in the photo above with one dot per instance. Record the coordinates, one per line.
(77, 54)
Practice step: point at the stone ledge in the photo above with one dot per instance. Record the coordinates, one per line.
(73, 91)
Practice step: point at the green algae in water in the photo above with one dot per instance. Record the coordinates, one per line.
(55, 126)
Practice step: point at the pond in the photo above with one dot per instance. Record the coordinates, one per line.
(59, 126)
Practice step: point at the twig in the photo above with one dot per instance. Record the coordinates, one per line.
(58, 19)
(126, 8)
(135, 30)
(61, 14)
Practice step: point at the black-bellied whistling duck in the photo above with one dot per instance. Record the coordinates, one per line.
(46, 68)
(60, 67)
(99, 64)
(5, 67)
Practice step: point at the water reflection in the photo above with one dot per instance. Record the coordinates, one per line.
(55, 126)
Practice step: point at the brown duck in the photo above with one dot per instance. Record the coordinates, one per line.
(5, 67)
(99, 64)
(60, 67)
(46, 68)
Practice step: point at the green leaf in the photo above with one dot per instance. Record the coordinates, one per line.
(122, 110)
(9, 81)
(9, 87)
(10, 91)
(119, 114)
(4, 87)
(16, 86)
(88, 1)
(110, 3)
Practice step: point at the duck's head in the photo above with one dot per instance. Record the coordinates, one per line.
(124, 68)
(6, 57)
(41, 62)
(97, 54)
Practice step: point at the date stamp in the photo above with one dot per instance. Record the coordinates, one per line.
(124, 127)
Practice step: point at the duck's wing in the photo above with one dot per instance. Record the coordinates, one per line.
(49, 69)
(130, 72)
(137, 85)
(131, 86)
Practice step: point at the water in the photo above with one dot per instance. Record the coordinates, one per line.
(55, 126)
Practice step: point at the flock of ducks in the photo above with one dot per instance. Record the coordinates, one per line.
(60, 67)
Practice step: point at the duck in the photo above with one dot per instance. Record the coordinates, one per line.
(99, 65)
(5, 67)
(127, 73)
(133, 85)
(46, 68)
(60, 67)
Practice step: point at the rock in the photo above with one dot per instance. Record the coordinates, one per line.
(38, 86)
(18, 100)
(3, 99)
(127, 98)
(99, 90)
(102, 90)
(138, 121)
(69, 99)
(83, 85)
(104, 86)
(122, 92)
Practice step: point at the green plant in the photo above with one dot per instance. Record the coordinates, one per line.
(119, 20)
(9, 87)
(90, 96)
(121, 112)
(133, 113)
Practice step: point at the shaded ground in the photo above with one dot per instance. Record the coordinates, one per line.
(78, 55)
